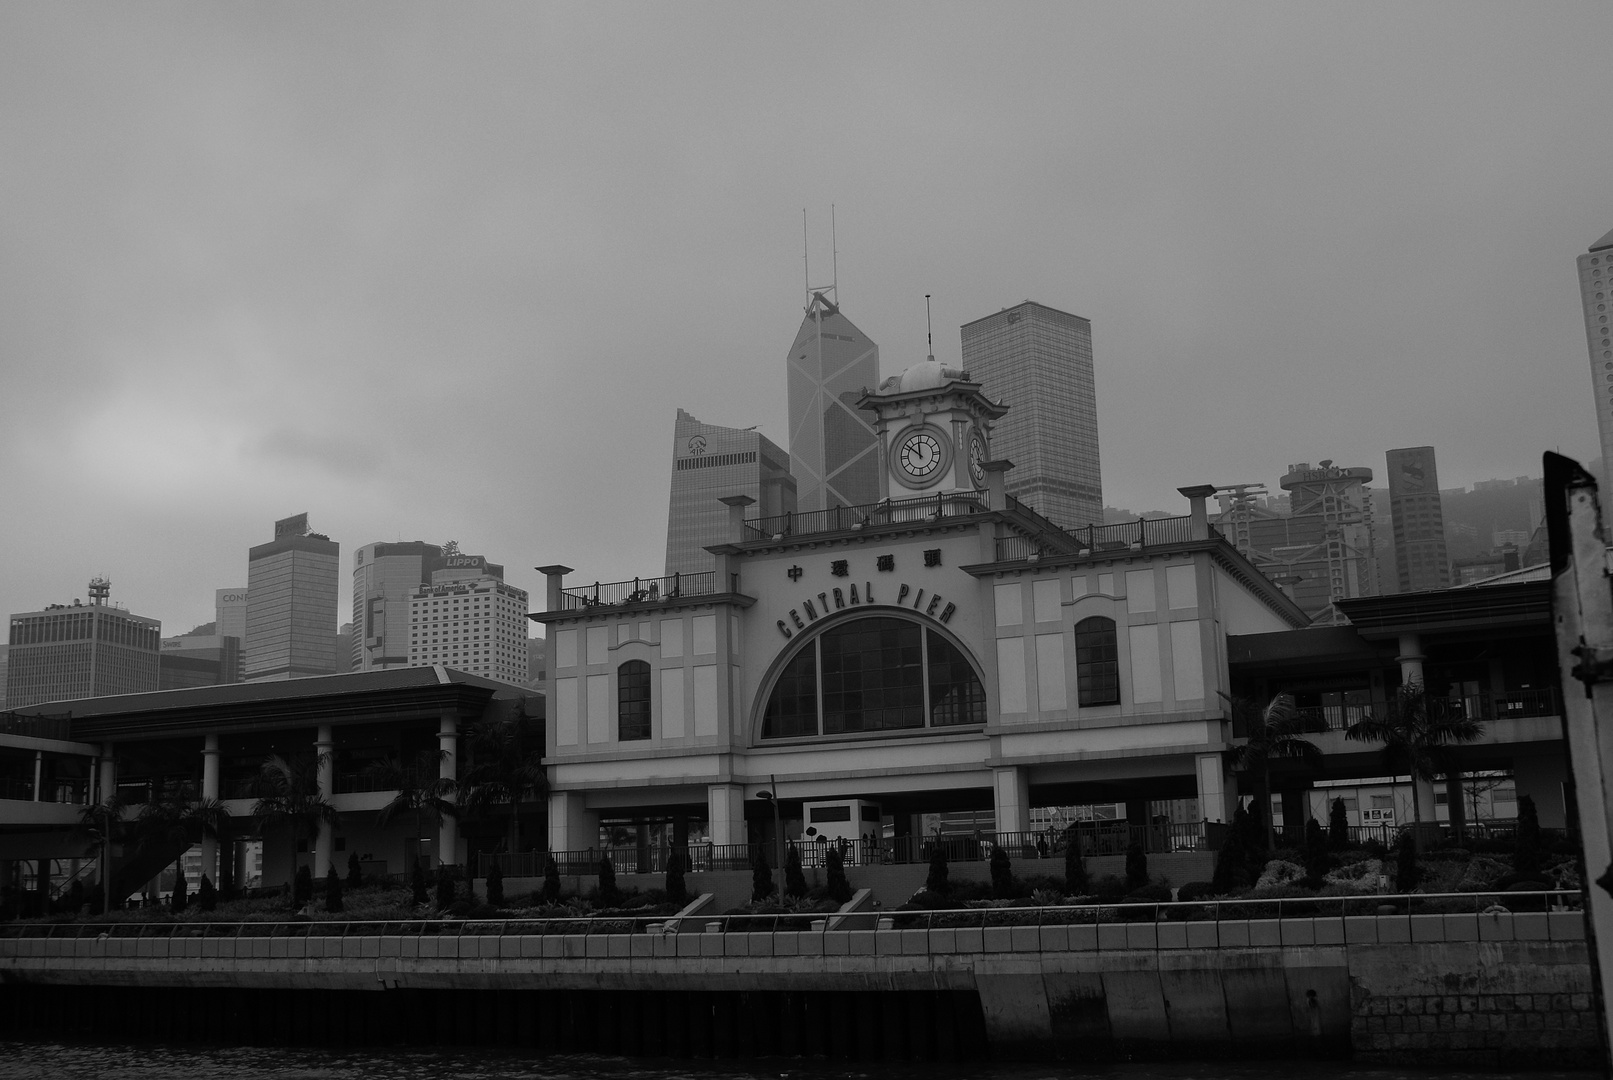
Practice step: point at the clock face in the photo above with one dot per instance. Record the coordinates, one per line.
(921, 457)
(977, 458)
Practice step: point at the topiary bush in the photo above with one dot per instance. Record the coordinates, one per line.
(355, 875)
(302, 889)
(840, 890)
(417, 882)
(445, 888)
(795, 884)
(1076, 882)
(1529, 855)
(1279, 872)
(1196, 890)
(1136, 866)
(495, 885)
(1338, 826)
(333, 890)
(1407, 872)
(606, 893)
(762, 885)
(551, 881)
(1002, 874)
(1318, 859)
(676, 890)
(206, 895)
(180, 900)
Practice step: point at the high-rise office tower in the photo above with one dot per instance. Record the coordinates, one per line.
(384, 577)
(709, 462)
(1596, 296)
(199, 660)
(1419, 521)
(468, 619)
(1038, 361)
(291, 585)
(80, 651)
(229, 620)
(833, 454)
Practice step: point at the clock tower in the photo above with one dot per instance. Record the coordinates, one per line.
(934, 429)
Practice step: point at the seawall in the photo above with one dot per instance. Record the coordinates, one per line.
(1475, 990)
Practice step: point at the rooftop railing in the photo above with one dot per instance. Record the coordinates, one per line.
(891, 511)
(638, 591)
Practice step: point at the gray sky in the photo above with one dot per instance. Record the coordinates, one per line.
(447, 271)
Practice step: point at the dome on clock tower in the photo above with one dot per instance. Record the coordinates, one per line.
(927, 374)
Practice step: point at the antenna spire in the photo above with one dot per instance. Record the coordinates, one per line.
(834, 255)
(806, 267)
(929, 338)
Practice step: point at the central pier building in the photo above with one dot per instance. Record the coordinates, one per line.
(942, 649)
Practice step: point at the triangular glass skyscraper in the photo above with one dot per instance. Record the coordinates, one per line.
(833, 451)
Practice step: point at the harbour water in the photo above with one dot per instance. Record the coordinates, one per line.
(47, 1060)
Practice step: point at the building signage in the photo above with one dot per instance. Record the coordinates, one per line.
(232, 598)
(296, 525)
(839, 598)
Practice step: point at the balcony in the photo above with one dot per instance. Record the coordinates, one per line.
(1486, 706)
(1126, 536)
(637, 591)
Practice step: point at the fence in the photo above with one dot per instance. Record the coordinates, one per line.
(1485, 706)
(638, 591)
(37, 727)
(1095, 838)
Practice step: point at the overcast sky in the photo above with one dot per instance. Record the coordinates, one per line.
(448, 271)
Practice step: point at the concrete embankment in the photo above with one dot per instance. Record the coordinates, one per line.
(1504, 989)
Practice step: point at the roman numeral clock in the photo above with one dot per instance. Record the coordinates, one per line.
(934, 426)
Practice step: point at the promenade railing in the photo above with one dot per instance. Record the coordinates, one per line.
(637, 591)
(839, 518)
(1211, 922)
(1096, 838)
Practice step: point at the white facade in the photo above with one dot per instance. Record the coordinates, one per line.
(476, 625)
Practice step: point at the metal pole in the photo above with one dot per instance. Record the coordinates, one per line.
(778, 835)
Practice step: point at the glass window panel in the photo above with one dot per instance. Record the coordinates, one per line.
(1097, 662)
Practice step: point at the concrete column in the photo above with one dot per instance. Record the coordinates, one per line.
(39, 772)
(1411, 659)
(108, 778)
(324, 745)
(1218, 788)
(1011, 799)
(725, 807)
(210, 791)
(572, 827)
(555, 576)
(997, 483)
(448, 769)
(1196, 498)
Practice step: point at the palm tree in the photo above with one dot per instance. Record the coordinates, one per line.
(176, 816)
(1275, 731)
(507, 757)
(420, 790)
(103, 824)
(1416, 739)
(288, 794)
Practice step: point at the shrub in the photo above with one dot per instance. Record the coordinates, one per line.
(333, 889)
(761, 876)
(1148, 894)
(495, 885)
(206, 895)
(1195, 890)
(355, 875)
(179, 901)
(1528, 857)
(417, 882)
(302, 891)
(1406, 869)
(1338, 826)
(1075, 869)
(1279, 872)
(551, 881)
(1136, 866)
(1317, 860)
(1002, 874)
(936, 881)
(1109, 888)
(794, 879)
(607, 894)
(445, 887)
(839, 888)
(676, 890)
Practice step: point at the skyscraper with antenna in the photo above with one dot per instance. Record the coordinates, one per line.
(834, 454)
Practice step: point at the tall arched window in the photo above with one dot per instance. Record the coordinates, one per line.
(1097, 662)
(871, 675)
(633, 701)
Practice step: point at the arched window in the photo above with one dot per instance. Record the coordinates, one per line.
(870, 675)
(633, 701)
(1097, 662)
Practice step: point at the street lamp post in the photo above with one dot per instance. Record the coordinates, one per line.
(778, 830)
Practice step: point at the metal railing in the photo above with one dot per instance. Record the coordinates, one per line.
(1096, 838)
(1144, 532)
(36, 727)
(836, 519)
(1222, 922)
(16, 788)
(638, 591)
(1485, 705)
